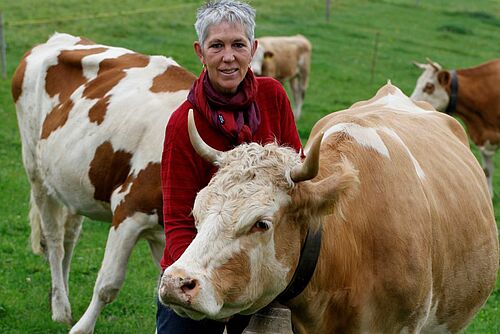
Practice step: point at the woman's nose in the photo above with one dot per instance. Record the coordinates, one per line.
(228, 56)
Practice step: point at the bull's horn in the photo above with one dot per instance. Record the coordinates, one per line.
(310, 167)
(436, 66)
(203, 149)
(419, 65)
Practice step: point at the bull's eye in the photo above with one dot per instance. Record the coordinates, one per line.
(260, 226)
(429, 88)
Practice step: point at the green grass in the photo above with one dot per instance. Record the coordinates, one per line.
(456, 33)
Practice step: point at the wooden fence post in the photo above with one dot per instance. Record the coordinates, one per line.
(327, 10)
(3, 56)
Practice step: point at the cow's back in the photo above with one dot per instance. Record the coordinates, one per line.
(92, 119)
(290, 54)
(419, 240)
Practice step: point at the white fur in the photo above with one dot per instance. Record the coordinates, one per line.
(439, 99)
(367, 137)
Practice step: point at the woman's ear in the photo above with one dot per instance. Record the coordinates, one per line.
(199, 52)
(254, 46)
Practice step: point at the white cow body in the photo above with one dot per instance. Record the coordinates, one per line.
(92, 121)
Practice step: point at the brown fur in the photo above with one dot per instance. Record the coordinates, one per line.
(145, 194)
(234, 266)
(478, 102)
(407, 245)
(18, 78)
(173, 79)
(105, 159)
(64, 77)
(392, 245)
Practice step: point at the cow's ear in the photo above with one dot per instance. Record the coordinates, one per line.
(444, 78)
(268, 54)
(328, 195)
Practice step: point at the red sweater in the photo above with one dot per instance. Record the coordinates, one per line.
(184, 173)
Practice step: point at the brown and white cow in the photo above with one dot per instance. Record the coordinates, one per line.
(285, 58)
(408, 247)
(473, 94)
(92, 121)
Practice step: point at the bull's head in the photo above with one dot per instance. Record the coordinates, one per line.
(432, 85)
(251, 220)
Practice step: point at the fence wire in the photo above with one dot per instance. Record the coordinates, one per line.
(93, 16)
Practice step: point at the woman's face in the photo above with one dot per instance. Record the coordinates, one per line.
(226, 53)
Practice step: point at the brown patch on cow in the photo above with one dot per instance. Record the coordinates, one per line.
(98, 110)
(56, 118)
(231, 279)
(108, 170)
(18, 78)
(144, 195)
(111, 72)
(129, 60)
(429, 88)
(85, 41)
(175, 78)
(67, 75)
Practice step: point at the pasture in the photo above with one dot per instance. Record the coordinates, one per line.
(363, 44)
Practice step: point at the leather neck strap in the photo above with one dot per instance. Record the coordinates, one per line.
(452, 105)
(305, 269)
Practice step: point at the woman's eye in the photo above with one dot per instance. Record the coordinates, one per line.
(239, 45)
(260, 226)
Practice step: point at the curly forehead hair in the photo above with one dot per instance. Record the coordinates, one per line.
(215, 12)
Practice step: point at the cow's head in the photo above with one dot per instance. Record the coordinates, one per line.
(432, 85)
(263, 63)
(251, 219)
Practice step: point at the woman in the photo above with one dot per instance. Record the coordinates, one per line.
(231, 106)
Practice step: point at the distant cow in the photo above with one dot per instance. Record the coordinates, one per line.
(92, 121)
(409, 240)
(473, 94)
(285, 59)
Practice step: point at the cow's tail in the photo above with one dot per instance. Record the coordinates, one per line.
(36, 236)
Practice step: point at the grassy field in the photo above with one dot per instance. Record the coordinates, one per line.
(455, 33)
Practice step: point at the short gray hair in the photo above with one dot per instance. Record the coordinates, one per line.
(215, 12)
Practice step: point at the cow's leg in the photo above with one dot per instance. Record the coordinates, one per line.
(487, 153)
(72, 229)
(51, 215)
(121, 241)
(297, 94)
(156, 242)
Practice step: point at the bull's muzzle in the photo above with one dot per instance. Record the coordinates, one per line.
(178, 288)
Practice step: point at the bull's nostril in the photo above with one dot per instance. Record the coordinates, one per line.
(189, 285)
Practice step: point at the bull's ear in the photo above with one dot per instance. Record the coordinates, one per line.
(444, 78)
(268, 54)
(328, 195)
